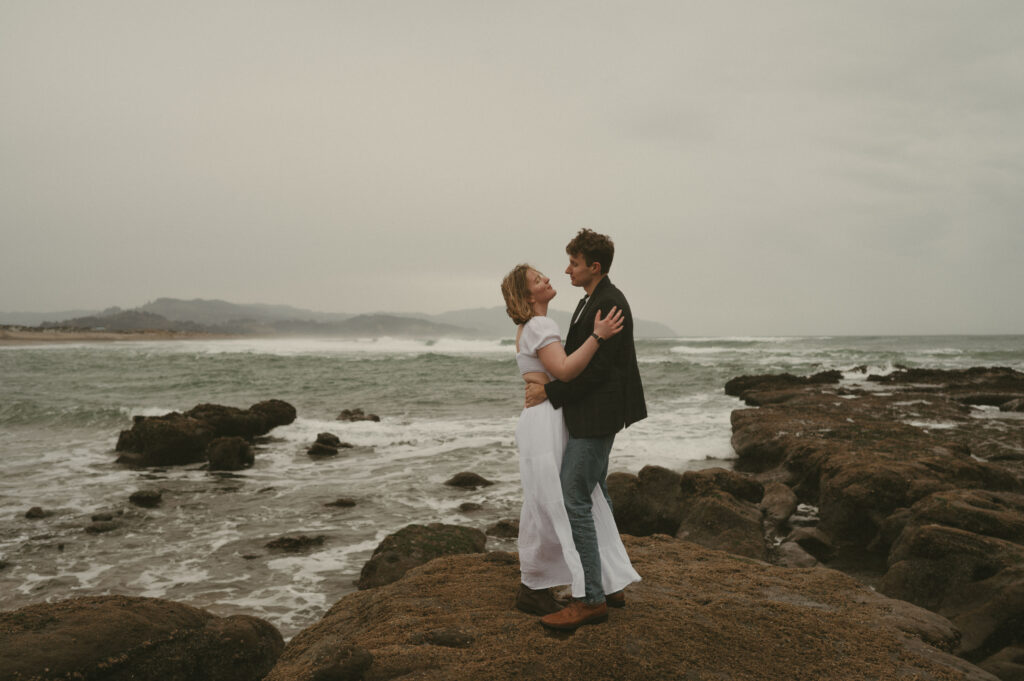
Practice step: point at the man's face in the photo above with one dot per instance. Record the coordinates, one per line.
(580, 273)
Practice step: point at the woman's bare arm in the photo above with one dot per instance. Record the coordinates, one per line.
(566, 368)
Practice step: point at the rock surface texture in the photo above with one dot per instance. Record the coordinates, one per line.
(415, 545)
(918, 480)
(698, 614)
(118, 638)
(182, 438)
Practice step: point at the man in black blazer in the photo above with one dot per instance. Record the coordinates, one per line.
(605, 398)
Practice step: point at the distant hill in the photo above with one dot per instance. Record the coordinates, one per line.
(126, 320)
(141, 319)
(221, 311)
(37, 318)
(223, 317)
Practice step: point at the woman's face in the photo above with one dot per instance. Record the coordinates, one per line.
(539, 286)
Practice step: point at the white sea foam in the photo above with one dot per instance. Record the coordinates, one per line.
(156, 582)
(859, 373)
(288, 346)
(710, 350)
(744, 339)
(932, 425)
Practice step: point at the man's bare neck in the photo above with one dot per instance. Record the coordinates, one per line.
(589, 288)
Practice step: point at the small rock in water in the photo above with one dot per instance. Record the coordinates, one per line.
(470, 506)
(319, 449)
(467, 480)
(343, 502)
(3, 564)
(295, 544)
(250, 556)
(504, 528)
(356, 415)
(327, 444)
(329, 439)
(101, 526)
(146, 498)
(104, 517)
(37, 512)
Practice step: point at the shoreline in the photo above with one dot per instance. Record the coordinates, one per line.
(15, 336)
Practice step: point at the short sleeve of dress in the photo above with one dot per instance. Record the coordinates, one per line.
(537, 333)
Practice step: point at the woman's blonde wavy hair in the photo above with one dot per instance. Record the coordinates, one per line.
(517, 294)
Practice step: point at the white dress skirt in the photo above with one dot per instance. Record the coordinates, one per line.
(547, 553)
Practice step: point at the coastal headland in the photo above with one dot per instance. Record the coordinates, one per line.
(873, 528)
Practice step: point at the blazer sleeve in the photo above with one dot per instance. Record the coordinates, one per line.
(600, 368)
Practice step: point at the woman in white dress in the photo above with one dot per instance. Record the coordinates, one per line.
(547, 554)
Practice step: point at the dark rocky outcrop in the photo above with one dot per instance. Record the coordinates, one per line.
(182, 438)
(697, 614)
(119, 638)
(229, 454)
(37, 512)
(467, 480)
(414, 545)
(356, 414)
(909, 478)
(776, 388)
(146, 498)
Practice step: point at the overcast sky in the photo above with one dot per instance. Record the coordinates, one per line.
(763, 167)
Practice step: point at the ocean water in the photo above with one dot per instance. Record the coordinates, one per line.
(445, 406)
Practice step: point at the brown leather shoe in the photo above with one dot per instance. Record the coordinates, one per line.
(616, 600)
(537, 601)
(575, 615)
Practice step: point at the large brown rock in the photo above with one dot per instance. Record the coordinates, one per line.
(120, 638)
(647, 503)
(910, 475)
(961, 553)
(743, 487)
(181, 438)
(713, 507)
(697, 614)
(718, 520)
(414, 545)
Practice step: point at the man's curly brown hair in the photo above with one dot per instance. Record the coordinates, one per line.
(593, 247)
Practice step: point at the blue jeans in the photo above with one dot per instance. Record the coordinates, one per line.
(584, 467)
